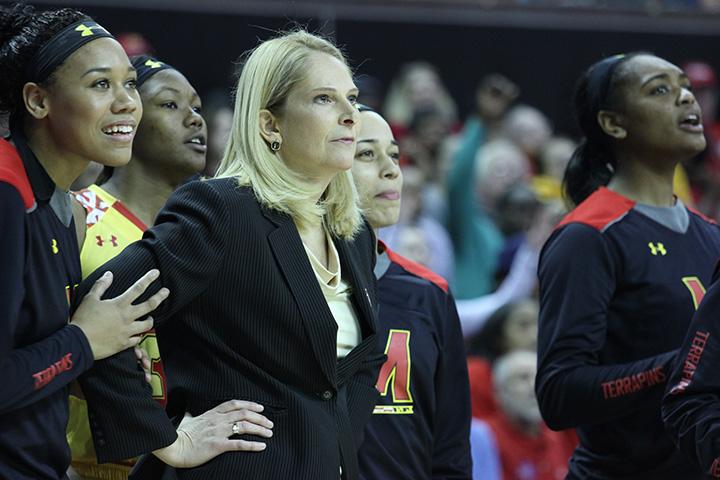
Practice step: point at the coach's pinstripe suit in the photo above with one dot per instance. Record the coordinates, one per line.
(245, 320)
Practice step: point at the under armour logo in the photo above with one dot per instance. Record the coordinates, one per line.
(100, 241)
(87, 30)
(656, 248)
(153, 64)
(54, 247)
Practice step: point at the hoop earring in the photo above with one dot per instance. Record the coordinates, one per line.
(275, 146)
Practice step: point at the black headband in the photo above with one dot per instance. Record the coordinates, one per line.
(599, 80)
(147, 66)
(61, 46)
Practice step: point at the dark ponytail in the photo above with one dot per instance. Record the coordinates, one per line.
(593, 162)
(588, 169)
(23, 31)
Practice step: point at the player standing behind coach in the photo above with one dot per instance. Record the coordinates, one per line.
(66, 84)
(420, 428)
(622, 274)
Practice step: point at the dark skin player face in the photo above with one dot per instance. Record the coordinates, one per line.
(92, 105)
(658, 112)
(172, 135)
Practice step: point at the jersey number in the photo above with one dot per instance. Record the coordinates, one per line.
(396, 370)
(697, 290)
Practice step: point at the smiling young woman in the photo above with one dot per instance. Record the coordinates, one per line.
(70, 92)
(620, 277)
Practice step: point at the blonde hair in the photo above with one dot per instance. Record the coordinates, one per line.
(268, 75)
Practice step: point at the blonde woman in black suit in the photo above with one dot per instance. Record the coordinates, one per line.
(270, 265)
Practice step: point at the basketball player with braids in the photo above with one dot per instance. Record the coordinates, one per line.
(70, 91)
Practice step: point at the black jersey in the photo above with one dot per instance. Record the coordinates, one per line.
(618, 286)
(40, 354)
(691, 407)
(420, 428)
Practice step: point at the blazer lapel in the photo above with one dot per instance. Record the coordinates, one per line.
(366, 315)
(360, 291)
(319, 323)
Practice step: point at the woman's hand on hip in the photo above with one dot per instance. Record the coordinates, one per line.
(206, 436)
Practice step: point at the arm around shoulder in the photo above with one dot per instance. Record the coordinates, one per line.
(186, 245)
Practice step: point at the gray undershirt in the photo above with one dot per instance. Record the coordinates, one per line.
(381, 265)
(675, 218)
(60, 203)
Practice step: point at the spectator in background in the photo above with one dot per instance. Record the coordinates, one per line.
(526, 448)
(499, 165)
(521, 280)
(493, 97)
(514, 214)
(554, 158)
(529, 129)
(476, 239)
(422, 146)
(417, 235)
(417, 87)
(512, 327)
(427, 130)
(479, 177)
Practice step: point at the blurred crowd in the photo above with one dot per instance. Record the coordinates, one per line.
(480, 197)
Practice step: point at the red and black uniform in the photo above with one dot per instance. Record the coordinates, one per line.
(420, 428)
(619, 283)
(40, 353)
(691, 407)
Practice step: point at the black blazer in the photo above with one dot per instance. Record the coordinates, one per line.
(245, 319)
